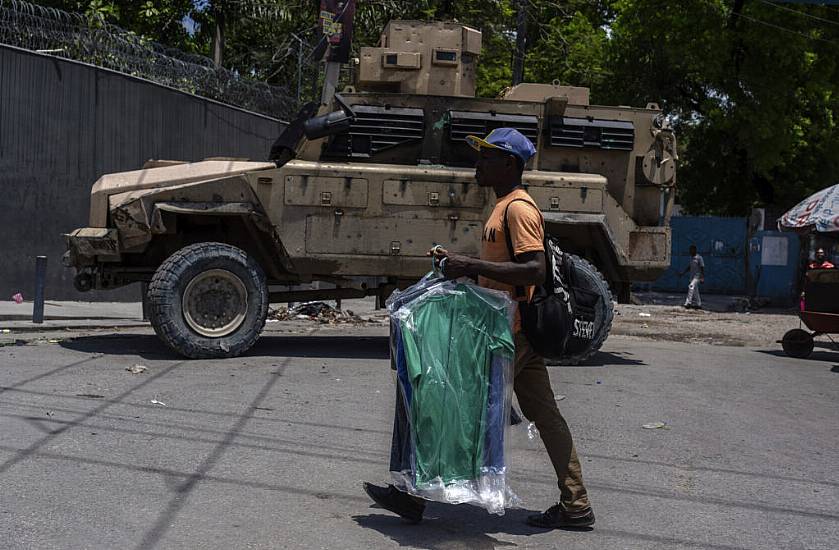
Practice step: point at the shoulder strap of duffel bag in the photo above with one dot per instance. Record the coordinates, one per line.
(519, 290)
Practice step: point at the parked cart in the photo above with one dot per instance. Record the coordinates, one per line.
(819, 309)
(819, 312)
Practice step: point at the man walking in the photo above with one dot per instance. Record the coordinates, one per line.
(503, 155)
(697, 276)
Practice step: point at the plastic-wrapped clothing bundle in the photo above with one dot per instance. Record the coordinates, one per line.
(452, 349)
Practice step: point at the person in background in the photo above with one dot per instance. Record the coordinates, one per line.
(697, 276)
(821, 261)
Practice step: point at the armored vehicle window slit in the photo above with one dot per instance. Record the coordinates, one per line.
(377, 129)
(594, 133)
(464, 123)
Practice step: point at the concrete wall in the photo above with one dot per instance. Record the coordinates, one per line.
(63, 124)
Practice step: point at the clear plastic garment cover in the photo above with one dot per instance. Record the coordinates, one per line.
(452, 352)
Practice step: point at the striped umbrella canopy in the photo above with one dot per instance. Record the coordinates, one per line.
(819, 213)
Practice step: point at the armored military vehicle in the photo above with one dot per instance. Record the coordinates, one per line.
(359, 188)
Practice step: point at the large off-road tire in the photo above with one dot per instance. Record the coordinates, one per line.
(208, 300)
(589, 278)
(798, 343)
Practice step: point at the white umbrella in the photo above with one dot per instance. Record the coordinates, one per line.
(819, 212)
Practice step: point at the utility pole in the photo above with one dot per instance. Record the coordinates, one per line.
(218, 34)
(521, 43)
(300, 46)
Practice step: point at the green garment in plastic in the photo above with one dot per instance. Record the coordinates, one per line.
(449, 341)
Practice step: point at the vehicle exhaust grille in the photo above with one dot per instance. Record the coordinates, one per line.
(465, 123)
(377, 129)
(593, 133)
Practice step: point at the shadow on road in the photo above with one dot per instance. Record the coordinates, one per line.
(817, 355)
(349, 347)
(333, 347)
(150, 347)
(606, 359)
(144, 345)
(446, 526)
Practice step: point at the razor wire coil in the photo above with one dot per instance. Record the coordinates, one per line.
(74, 36)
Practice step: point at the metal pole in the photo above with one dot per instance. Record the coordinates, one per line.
(40, 283)
(144, 298)
(521, 43)
(299, 66)
(330, 81)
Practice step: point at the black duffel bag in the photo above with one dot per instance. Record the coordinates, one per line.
(560, 319)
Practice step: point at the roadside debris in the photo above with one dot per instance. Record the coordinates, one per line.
(320, 312)
(156, 402)
(137, 369)
(656, 426)
(561, 397)
(18, 298)
(747, 304)
(644, 314)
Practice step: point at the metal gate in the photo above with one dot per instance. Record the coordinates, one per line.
(722, 244)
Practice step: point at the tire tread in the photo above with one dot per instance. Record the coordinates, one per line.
(167, 280)
(606, 294)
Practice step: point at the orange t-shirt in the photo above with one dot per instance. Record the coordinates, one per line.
(527, 234)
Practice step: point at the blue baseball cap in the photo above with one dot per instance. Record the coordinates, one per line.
(509, 140)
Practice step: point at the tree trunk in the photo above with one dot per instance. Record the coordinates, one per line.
(521, 43)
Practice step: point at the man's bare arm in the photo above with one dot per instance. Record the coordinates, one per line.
(529, 270)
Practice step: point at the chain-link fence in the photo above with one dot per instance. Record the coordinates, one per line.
(56, 32)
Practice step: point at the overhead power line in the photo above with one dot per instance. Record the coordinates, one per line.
(785, 29)
(801, 13)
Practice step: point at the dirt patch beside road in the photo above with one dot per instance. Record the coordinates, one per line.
(677, 324)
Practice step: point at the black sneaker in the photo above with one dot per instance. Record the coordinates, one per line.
(556, 517)
(390, 498)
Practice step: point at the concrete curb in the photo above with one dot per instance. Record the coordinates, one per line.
(54, 325)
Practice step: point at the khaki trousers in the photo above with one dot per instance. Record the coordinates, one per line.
(536, 399)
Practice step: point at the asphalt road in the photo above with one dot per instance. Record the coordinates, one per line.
(269, 450)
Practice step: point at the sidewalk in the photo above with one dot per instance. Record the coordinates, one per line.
(94, 315)
(59, 315)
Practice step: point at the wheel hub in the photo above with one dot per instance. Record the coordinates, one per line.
(215, 303)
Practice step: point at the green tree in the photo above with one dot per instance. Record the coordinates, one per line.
(571, 50)
(157, 20)
(752, 86)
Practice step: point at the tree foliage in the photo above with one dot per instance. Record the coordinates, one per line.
(751, 85)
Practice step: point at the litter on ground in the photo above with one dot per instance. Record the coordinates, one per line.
(320, 312)
(656, 426)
